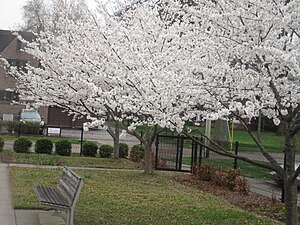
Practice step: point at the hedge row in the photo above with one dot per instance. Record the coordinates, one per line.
(23, 128)
(64, 147)
(105, 151)
(43, 146)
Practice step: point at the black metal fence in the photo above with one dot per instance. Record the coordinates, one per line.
(180, 153)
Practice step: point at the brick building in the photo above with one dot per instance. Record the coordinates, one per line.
(10, 49)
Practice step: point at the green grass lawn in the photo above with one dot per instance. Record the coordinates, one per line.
(247, 169)
(120, 198)
(271, 141)
(34, 138)
(75, 160)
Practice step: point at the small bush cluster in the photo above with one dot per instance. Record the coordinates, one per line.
(43, 146)
(105, 151)
(9, 126)
(136, 153)
(228, 178)
(1, 144)
(22, 145)
(63, 147)
(89, 149)
(28, 128)
(123, 150)
(204, 172)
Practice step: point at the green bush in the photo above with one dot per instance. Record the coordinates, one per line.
(63, 147)
(22, 145)
(136, 153)
(29, 128)
(10, 126)
(105, 151)
(1, 144)
(123, 150)
(43, 146)
(22, 127)
(89, 149)
(2, 125)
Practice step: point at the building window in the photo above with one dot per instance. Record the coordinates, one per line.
(9, 96)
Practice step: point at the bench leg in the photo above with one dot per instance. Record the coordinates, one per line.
(70, 220)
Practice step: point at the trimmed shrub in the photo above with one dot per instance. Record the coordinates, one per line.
(241, 185)
(204, 172)
(227, 178)
(105, 151)
(63, 147)
(10, 126)
(43, 146)
(89, 149)
(29, 128)
(123, 150)
(1, 144)
(22, 127)
(136, 153)
(22, 145)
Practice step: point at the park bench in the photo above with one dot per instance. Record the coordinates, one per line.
(64, 196)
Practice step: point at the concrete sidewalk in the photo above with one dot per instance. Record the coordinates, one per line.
(9, 216)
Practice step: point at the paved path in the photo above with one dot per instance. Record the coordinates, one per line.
(7, 214)
(268, 188)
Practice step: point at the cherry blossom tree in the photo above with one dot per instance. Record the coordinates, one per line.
(251, 66)
(119, 69)
(155, 66)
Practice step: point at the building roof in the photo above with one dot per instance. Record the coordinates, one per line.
(7, 36)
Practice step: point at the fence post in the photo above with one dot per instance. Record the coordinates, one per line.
(284, 167)
(181, 153)
(156, 155)
(81, 141)
(193, 158)
(235, 163)
(201, 149)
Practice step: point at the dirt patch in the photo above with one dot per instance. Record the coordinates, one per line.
(261, 205)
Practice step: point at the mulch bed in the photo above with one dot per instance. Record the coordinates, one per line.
(261, 205)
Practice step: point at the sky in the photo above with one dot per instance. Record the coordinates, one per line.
(11, 13)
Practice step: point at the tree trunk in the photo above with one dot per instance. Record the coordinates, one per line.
(148, 169)
(290, 187)
(291, 209)
(259, 125)
(280, 129)
(116, 139)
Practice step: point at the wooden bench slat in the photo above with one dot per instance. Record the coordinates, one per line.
(64, 195)
(50, 195)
